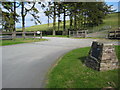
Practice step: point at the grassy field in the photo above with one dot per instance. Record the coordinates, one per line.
(19, 41)
(110, 20)
(44, 27)
(118, 51)
(70, 72)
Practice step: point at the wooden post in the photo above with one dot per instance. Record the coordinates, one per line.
(73, 34)
(41, 35)
(69, 33)
(108, 34)
(115, 34)
(23, 34)
(85, 33)
(77, 33)
(34, 34)
(13, 35)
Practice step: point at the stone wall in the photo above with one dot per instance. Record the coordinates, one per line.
(102, 57)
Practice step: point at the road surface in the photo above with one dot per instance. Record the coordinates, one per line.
(26, 65)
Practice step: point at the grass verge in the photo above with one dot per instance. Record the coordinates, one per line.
(19, 41)
(70, 72)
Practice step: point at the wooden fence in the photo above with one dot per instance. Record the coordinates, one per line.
(12, 35)
(78, 33)
(114, 34)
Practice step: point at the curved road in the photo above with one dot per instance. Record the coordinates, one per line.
(26, 65)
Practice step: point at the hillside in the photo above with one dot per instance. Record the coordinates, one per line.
(44, 27)
(111, 20)
(101, 31)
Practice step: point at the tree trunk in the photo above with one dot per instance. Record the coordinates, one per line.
(79, 20)
(64, 24)
(75, 20)
(82, 20)
(14, 18)
(23, 20)
(48, 22)
(2, 22)
(54, 19)
(58, 23)
(58, 17)
(79, 23)
(71, 20)
(48, 16)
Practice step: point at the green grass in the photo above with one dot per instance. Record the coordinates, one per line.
(19, 41)
(44, 27)
(118, 51)
(110, 20)
(70, 72)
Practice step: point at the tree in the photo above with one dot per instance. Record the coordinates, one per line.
(81, 14)
(65, 13)
(97, 13)
(1, 17)
(9, 17)
(25, 11)
(52, 13)
(23, 18)
(75, 16)
(59, 13)
(71, 9)
(54, 18)
(48, 12)
(14, 15)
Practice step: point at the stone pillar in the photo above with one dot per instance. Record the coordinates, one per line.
(102, 57)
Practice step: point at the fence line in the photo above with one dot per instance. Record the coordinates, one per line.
(12, 35)
(114, 34)
(82, 33)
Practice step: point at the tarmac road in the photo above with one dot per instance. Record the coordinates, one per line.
(26, 65)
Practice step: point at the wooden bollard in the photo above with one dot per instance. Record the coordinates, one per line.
(41, 35)
(13, 34)
(69, 34)
(34, 34)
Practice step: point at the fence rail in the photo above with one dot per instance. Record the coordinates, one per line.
(12, 35)
(78, 33)
(114, 34)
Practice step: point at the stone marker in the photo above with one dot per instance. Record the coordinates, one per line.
(102, 57)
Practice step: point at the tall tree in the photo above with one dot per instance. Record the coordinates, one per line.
(75, 16)
(0, 16)
(59, 12)
(10, 17)
(25, 11)
(81, 14)
(23, 18)
(54, 19)
(48, 13)
(65, 13)
(14, 15)
(64, 18)
(71, 18)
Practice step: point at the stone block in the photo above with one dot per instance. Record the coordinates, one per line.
(102, 57)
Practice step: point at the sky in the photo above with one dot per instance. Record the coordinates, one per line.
(44, 18)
